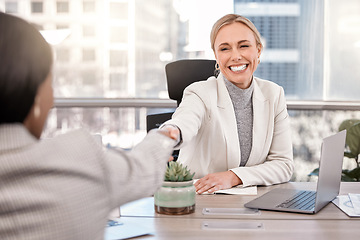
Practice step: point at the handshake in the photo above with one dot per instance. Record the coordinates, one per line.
(171, 131)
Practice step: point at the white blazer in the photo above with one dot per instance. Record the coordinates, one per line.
(210, 141)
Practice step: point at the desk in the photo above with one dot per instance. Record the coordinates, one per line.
(329, 223)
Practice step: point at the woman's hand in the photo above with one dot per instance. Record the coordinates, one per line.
(171, 132)
(217, 181)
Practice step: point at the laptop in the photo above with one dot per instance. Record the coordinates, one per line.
(328, 184)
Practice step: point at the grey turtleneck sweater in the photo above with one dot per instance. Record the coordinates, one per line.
(243, 107)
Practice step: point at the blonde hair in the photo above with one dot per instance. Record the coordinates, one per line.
(229, 19)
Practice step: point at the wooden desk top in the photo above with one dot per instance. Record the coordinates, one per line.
(182, 228)
(145, 207)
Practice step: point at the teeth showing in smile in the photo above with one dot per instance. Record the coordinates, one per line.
(238, 68)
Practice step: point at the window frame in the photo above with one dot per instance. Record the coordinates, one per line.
(168, 103)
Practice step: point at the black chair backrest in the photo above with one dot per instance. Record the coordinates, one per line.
(182, 73)
(155, 120)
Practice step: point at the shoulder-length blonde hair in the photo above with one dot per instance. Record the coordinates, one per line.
(229, 19)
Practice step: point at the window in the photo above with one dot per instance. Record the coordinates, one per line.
(288, 29)
(312, 49)
(118, 81)
(119, 10)
(11, 7)
(304, 56)
(118, 58)
(89, 77)
(88, 55)
(342, 80)
(36, 7)
(89, 6)
(309, 45)
(62, 26)
(88, 31)
(118, 34)
(62, 7)
(63, 55)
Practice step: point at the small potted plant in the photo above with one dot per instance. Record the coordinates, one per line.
(177, 194)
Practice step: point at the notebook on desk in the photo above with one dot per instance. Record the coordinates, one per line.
(328, 184)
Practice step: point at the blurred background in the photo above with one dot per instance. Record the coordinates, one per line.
(110, 58)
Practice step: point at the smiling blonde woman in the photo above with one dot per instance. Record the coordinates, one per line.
(234, 127)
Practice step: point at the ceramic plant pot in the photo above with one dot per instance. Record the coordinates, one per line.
(175, 198)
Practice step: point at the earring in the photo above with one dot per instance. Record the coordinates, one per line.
(217, 69)
(259, 61)
(37, 110)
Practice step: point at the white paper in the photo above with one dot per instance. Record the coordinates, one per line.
(343, 202)
(355, 200)
(237, 190)
(125, 230)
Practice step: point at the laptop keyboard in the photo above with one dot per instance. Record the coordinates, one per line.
(304, 200)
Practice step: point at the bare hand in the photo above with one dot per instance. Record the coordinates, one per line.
(170, 131)
(217, 181)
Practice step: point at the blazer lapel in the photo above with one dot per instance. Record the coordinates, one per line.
(260, 123)
(228, 121)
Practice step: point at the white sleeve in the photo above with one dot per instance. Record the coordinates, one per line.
(138, 173)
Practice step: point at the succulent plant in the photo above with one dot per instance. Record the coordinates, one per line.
(176, 172)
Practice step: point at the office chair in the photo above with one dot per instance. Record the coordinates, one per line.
(179, 75)
(182, 73)
(155, 120)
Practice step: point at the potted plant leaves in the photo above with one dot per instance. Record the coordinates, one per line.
(177, 194)
(352, 150)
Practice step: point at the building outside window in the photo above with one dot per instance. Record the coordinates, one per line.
(11, 7)
(62, 7)
(119, 10)
(88, 55)
(63, 55)
(36, 7)
(89, 31)
(89, 6)
(119, 34)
